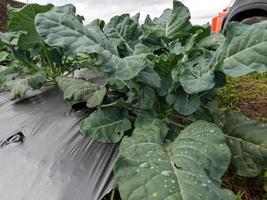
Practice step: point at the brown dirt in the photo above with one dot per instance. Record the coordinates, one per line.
(255, 107)
(248, 188)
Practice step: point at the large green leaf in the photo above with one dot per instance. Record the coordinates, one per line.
(170, 23)
(146, 97)
(97, 98)
(165, 63)
(124, 33)
(247, 140)
(246, 51)
(147, 117)
(126, 68)
(23, 20)
(199, 78)
(213, 41)
(190, 168)
(60, 27)
(184, 103)
(149, 77)
(106, 125)
(75, 89)
(152, 35)
(141, 49)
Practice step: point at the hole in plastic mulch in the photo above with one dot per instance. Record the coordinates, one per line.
(17, 138)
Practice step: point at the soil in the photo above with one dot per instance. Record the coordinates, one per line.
(247, 188)
(257, 106)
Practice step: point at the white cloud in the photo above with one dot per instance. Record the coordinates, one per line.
(201, 10)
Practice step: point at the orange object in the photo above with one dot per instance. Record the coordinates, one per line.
(217, 21)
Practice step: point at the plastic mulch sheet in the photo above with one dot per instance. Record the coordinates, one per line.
(43, 156)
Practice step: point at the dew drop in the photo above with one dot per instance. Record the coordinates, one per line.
(204, 185)
(143, 165)
(165, 173)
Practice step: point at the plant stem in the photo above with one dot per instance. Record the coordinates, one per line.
(48, 60)
(31, 66)
(112, 195)
(70, 72)
(174, 123)
(183, 118)
(65, 60)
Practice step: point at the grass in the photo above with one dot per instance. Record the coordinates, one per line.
(247, 94)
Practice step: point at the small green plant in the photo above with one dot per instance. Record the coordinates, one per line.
(239, 196)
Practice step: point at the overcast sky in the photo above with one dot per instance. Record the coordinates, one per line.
(201, 10)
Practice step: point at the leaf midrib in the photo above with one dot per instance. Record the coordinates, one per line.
(110, 124)
(169, 154)
(127, 45)
(244, 50)
(243, 140)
